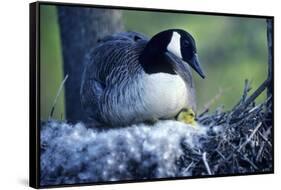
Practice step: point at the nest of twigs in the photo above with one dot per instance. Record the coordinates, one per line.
(239, 141)
(243, 143)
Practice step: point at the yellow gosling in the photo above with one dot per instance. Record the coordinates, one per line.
(187, 116)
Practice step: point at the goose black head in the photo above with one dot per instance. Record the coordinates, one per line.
(170, 51)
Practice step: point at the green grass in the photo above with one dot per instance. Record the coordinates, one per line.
(51, 73)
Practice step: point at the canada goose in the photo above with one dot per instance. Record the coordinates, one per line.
(130, 78)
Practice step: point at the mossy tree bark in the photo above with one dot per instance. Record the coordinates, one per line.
(80, 28)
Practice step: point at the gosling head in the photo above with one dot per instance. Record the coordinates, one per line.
(187, 116)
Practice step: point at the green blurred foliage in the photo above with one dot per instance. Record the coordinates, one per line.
(51, 73)
(231, 49)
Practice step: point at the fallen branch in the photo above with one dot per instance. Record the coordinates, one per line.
(261, 88)
(204, 158)
(250, 137)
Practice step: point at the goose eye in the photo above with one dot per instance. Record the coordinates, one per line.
(185, 43)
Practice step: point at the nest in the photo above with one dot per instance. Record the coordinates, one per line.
(239, 141)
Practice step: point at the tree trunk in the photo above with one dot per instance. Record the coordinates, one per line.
(80, 28)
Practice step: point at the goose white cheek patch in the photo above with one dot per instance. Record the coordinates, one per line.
(174, 45)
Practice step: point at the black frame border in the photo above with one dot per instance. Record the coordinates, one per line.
(34, 92)
(34, 95)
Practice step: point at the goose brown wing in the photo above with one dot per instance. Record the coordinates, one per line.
(106, 63)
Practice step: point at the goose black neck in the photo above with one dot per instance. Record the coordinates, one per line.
(153, 58)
